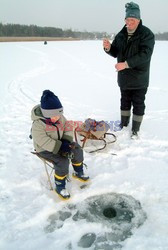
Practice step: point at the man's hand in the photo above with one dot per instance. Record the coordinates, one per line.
(120, 66)
(106, 45)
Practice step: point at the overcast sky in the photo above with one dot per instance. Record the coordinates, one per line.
(90, 15)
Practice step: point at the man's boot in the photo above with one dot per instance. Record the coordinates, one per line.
(60, 182)
(125, 118)
(79, 173)
(136, 123)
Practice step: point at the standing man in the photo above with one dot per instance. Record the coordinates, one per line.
(133, 47)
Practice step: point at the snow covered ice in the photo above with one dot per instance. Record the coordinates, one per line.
(118, 214)
(84, 79)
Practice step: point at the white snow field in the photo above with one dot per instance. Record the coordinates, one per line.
(83, 76)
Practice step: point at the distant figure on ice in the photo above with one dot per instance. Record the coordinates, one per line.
(53, 140)
(45, 42)
(133, 47)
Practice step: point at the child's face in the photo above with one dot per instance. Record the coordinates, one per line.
(55, 118)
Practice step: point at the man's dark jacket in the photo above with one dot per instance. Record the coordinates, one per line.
(137, 51)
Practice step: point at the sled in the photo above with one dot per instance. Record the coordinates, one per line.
(94, 131)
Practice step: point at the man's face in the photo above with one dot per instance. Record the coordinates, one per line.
(131, 23)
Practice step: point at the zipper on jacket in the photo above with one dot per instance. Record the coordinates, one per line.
(52, 124)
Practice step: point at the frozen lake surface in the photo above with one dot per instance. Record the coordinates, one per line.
(84, 79)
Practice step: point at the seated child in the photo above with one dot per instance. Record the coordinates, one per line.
(52, 140)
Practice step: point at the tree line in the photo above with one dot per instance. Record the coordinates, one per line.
(18, 30)
(162, 36)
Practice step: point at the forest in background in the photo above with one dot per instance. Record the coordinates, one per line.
(18, 30)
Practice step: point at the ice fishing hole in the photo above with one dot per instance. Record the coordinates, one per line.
(109, 212)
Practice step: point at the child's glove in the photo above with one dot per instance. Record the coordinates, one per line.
(65, 146)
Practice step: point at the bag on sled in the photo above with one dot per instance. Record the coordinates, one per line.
(94, 130)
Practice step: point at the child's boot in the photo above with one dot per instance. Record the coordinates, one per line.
(60, 182)
(79, 173)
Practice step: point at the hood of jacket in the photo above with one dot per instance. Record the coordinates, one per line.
(36, 113)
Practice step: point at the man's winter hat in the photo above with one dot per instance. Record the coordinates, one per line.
(132, 10)
(50, 104)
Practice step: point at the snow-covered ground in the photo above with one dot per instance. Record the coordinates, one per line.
(84, 79)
